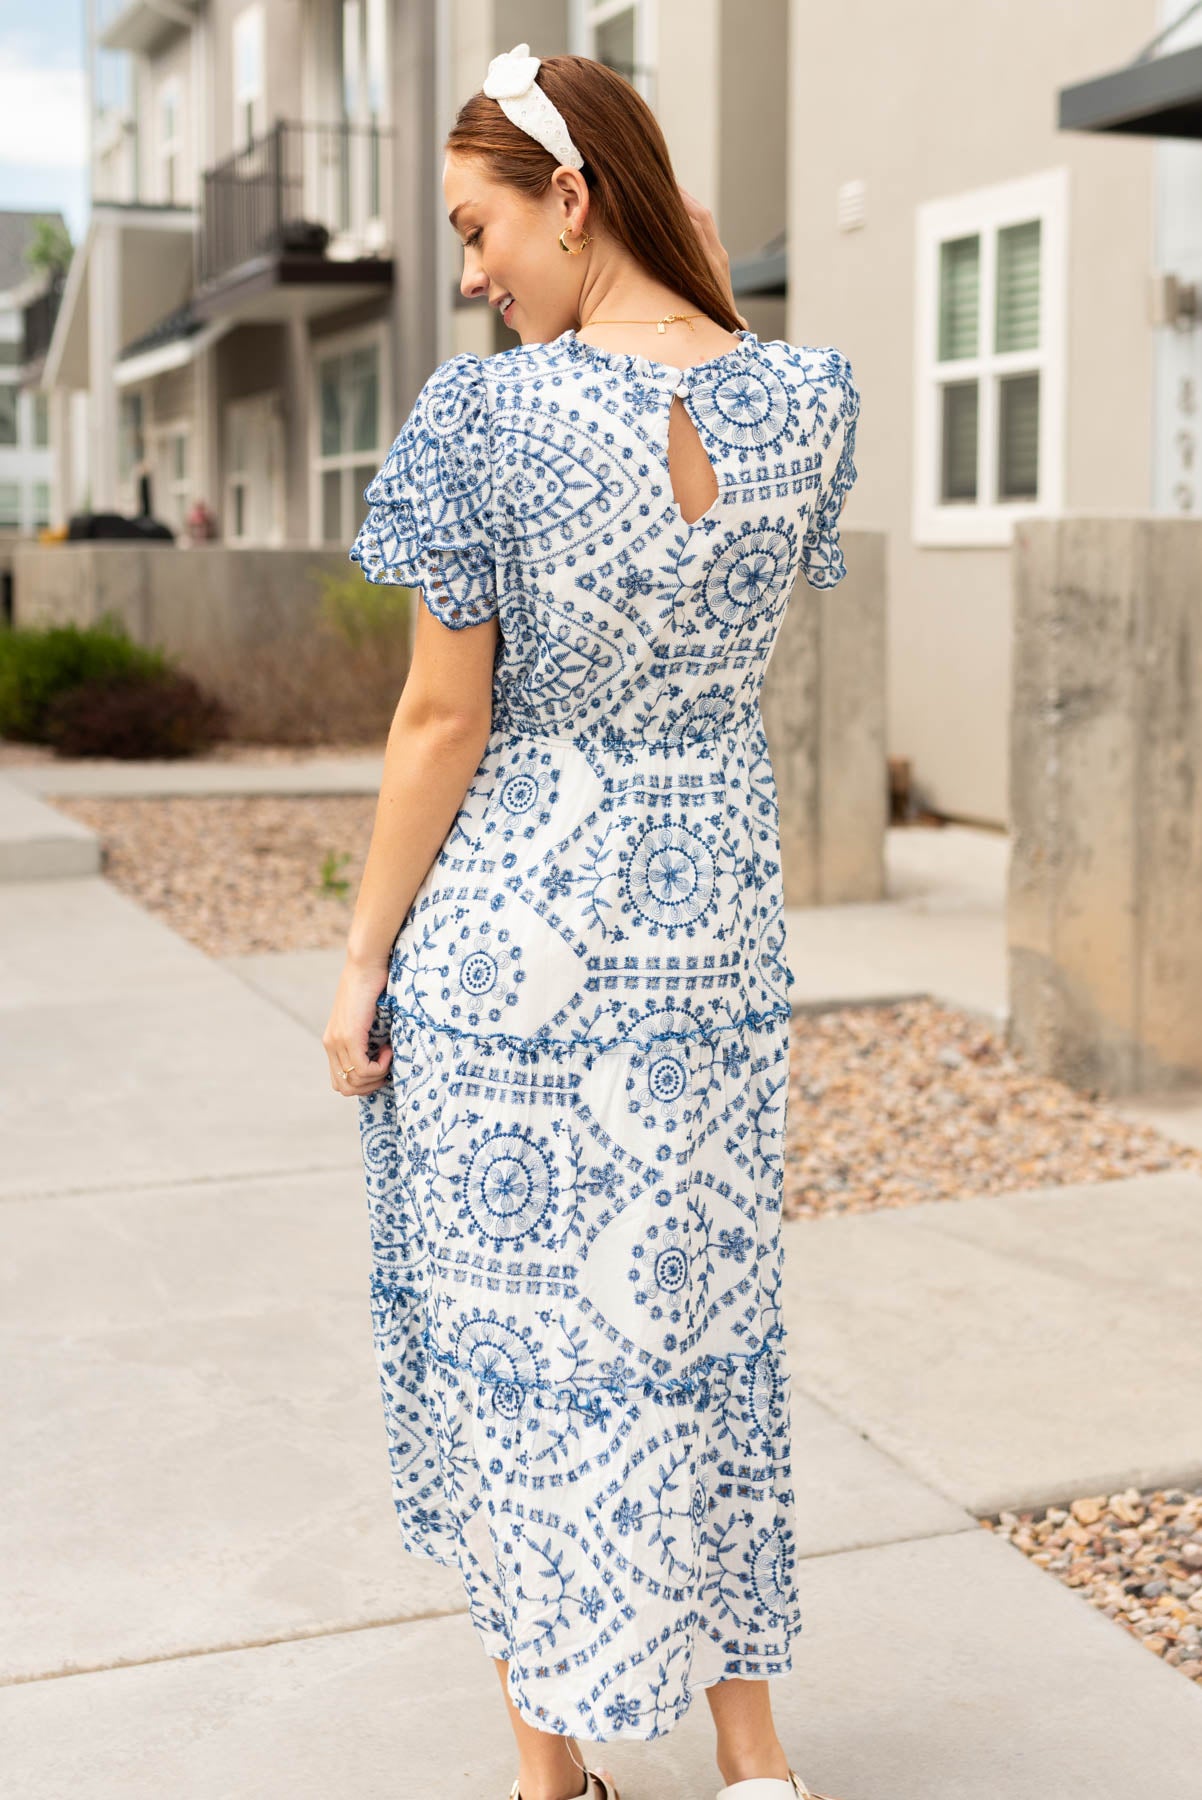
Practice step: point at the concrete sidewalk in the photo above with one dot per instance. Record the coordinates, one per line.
(348, 772)
(198, 1532)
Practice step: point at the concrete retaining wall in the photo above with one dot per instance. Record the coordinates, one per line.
(823, 700)
(1104, 908)
(187, 602)
(824, 711)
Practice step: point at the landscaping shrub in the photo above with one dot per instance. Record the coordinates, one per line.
(156, 713)
(334, 679)
(365, 613)
(38, 663)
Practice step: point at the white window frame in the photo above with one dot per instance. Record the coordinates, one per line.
(587, 15)
(337, 344)
(985, 211)
(248, 24)
(170, 149)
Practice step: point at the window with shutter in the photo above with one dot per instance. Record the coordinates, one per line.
(989, 425)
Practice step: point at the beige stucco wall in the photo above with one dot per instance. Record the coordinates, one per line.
(934, 100)
(286, 24)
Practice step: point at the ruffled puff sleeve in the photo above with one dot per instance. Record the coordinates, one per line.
(429, 524)
(821, 553)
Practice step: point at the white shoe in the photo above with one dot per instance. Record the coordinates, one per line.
(600, 1787)
(770, 1787)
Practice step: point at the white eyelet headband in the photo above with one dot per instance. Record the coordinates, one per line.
(510, 82)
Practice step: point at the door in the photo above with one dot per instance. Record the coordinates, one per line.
(254, 471)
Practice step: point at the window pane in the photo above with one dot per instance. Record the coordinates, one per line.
(1018, 287)
(376, 58)
(331, 407)
(959, 472)
(959, 297)
(614, 43)
(179, 463)
(10, 353)
(8, 413)
(331, 508)
(1018, 437)
(364, 391)
(248, 45)
(361, 474)
(352, 57)
(41, 420)
(130, 447)
(10, 503)
(41, 504)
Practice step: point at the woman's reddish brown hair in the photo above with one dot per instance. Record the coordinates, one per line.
(633, 193)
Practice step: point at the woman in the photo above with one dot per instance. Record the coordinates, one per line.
(568, 945)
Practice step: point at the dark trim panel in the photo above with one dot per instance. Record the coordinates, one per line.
(1160, 97)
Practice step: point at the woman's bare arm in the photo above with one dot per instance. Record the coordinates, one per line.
(437, 737)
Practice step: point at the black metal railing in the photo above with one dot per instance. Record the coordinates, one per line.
(293, 188)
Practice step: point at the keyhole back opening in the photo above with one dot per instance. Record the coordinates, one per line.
(692, 474)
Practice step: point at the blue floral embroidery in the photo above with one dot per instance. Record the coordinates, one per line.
(574, 1170)
(429, 524)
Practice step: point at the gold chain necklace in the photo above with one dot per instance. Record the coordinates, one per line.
(659, 324)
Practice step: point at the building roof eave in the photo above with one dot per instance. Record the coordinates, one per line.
(1156, 96)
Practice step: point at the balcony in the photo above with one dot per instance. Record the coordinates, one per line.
(141, 26)
(296, 223)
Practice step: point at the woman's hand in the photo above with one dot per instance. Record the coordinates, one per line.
(711, 243)
(346, 1033)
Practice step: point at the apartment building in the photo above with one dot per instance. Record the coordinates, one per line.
(268, 274)
(26, 458)
(998, 214)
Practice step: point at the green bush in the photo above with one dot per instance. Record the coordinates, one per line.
(364, 612)
(38, 663)
(136, 714)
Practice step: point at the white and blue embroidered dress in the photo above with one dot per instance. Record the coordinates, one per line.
(574, 1171)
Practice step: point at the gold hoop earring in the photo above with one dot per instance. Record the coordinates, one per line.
(586, 239)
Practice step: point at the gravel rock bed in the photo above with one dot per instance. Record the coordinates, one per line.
(235, 874)
(887, 1104)
(1136, 1556)
(918, 1101)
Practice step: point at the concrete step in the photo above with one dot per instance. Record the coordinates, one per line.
(39, 843)
(351, 773)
